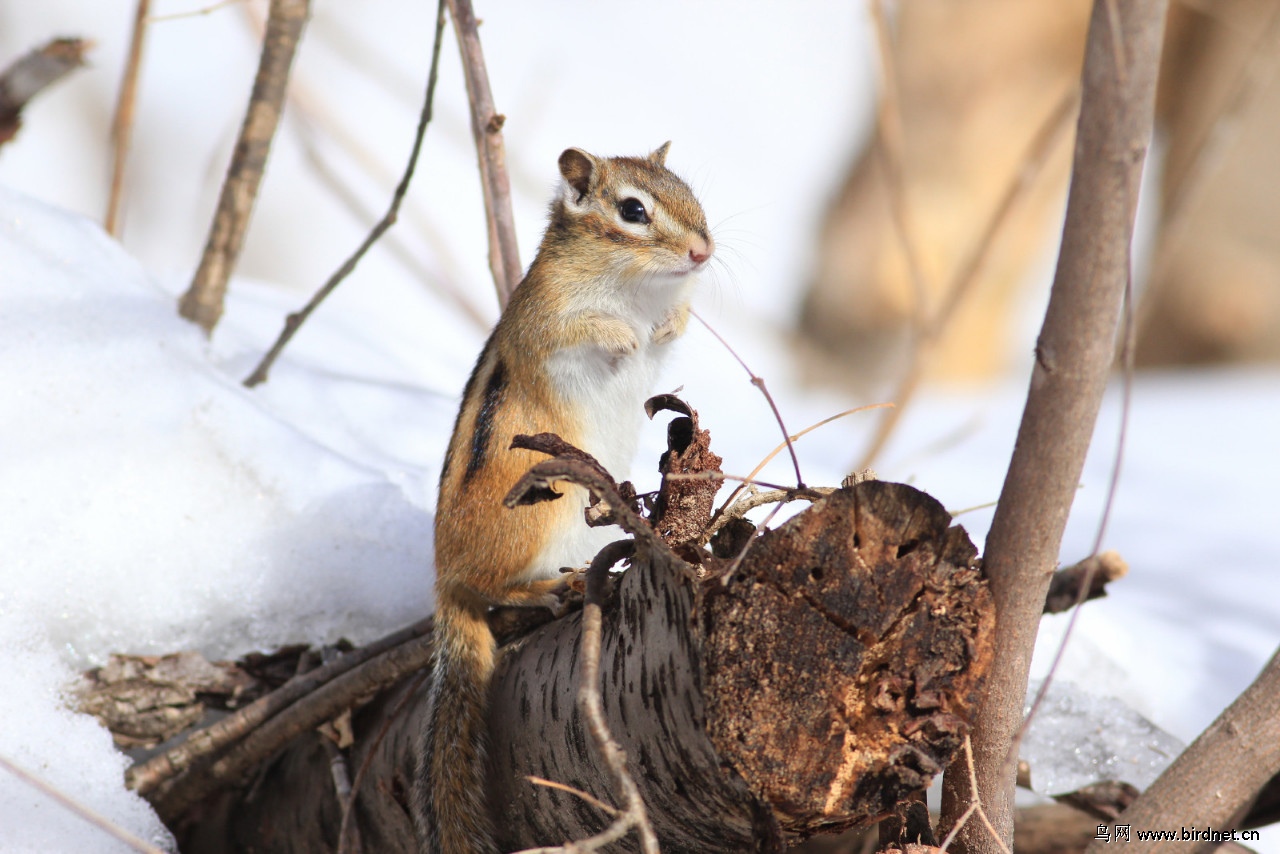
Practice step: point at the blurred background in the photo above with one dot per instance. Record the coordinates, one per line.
(918, 231)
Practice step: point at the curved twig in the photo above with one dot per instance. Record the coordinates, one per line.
(589, 701)
(758, 382)
(294, 321)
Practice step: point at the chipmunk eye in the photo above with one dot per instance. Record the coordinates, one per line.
(632, 210)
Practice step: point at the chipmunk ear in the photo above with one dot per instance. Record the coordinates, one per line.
(659, 155)
(577, 167)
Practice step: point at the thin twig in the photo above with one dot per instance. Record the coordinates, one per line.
(339, 772)
(975, 806)
(719, 475)
(577, 793)
(311, 120)
(752, 500)
(294, 321)
(122, 123)
(440, 283)
(194, 13)
(31, 73)
(486, 127)
(1033, 160)
(758, 382)
(87, 813)
(794, 438)
(146, 777)
(203, 301)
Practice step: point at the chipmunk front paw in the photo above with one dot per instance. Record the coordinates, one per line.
(615, 336)
(672, 326)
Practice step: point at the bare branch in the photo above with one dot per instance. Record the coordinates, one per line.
(194, 13)
(294, 321)
(33, 72)
(92, 816)
(122, 123)
(323, 704)
(146, 777)
(486, 127)
(758, 382)
(1083, 581)
(752, 500)
(793, 438)
(203, 301)
(1074, 353)
(1216, 778)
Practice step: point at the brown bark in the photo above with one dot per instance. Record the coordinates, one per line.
(832, 675)
(1073, 355)
(202, 302)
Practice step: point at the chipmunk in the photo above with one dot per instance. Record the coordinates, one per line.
(575, 353)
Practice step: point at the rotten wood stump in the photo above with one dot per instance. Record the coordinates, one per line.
(834, 672)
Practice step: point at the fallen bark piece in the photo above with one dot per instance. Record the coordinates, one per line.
(144, 700)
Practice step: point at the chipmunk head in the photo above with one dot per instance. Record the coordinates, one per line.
(641, 219)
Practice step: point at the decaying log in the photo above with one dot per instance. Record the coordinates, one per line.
(833, 674)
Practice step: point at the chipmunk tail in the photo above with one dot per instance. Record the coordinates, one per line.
(450, 811)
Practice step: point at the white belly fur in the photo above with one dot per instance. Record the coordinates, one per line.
(608, 395)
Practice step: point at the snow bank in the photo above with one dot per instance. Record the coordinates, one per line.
(148, 503)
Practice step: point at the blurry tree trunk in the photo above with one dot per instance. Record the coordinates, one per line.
(1214, 289)
(974, 81)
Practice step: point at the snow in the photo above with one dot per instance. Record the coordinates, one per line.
(1078, 738)
(150, 503)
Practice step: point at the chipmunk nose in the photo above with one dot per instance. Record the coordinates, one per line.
(699, 254)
